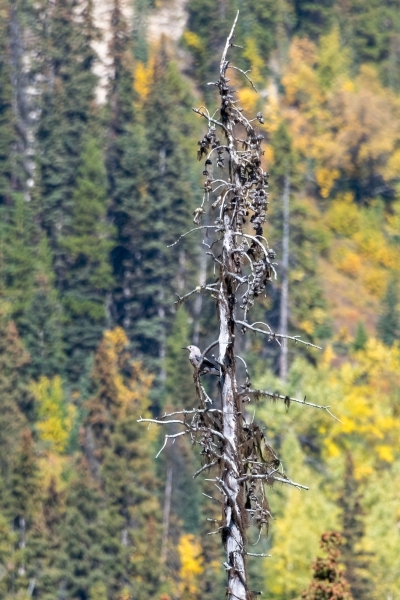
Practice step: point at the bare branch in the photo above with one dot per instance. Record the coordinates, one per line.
(222, 66)
(289, 482)
(196, 110)
(207, 466)
(276, 335)
(288, 399)
(200, 288)
(194, 229)
(245, 74)
(167, 437)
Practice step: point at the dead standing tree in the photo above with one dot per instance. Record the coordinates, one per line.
(232, 447)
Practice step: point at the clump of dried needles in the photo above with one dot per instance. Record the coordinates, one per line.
(232, 448)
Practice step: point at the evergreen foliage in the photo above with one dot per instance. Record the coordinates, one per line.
(86, 245)
(388, 326)
(361, 337)
(355, 559)
(116, 445)
(159, 195)
(85, 249)
(66, 103)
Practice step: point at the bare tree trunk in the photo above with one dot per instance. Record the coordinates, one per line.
(199, 300)
(167, 513)
(243, 460)
(233, 533)
(284, 308)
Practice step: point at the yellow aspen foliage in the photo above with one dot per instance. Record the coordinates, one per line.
(255, 60)
(349, 129)
(142, 79)
(326, 178)
(55, 415)
(190, 551)
(128, 394)
(343, 216)
(125, 595)
(365, 395)
(193, 40)
(350, 263)
(298, 525)
(249, 100)
(333, 59)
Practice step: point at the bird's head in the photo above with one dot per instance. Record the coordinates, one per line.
(192, 349)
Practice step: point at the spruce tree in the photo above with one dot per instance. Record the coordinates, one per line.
(361, 337)
(165, 200)
(353, 557)
(119, 454)
(90, 553)
(388, 325)
(67, 97)
(149, 186)
(86, 244)
(126, 163)
(329, 582)
(16, 228)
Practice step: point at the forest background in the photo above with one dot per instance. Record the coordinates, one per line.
(98, 174)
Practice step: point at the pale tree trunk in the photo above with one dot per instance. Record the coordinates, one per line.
(167, 514)
(233, 448)
(233, 534)
(284, 308)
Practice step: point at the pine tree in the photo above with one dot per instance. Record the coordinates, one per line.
(165, 200)
(388, 325)
(314, 18)
(66, 105)
(353, 557)
(90, 552)
(16, 228)
(361, 337)
(119, 453)
(328, 581)
(86, 244)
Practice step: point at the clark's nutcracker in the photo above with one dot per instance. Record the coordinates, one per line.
(206, 366)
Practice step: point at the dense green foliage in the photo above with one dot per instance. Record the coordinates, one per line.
(98, 176)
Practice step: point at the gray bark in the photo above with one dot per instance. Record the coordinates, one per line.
(167, 513)
(233, 503)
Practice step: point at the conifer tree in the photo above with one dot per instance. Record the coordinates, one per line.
(86, 244)
(329, 582)
(354, 558)
(119, 454)
(126, 164)
(45, 552)
(67, 96)
(388, 325)
(16, 228)
(361, 337)
(90, 552)
(150, 186)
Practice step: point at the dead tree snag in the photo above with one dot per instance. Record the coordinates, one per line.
(234, 449)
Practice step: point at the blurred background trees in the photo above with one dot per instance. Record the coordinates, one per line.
(97, 141)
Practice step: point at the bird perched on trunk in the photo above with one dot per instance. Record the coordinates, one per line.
(205, 366)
